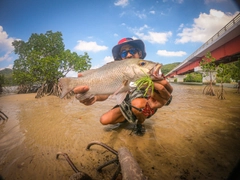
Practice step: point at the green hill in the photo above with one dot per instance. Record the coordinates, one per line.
(6, 77)
(168, 67)
(6, 72)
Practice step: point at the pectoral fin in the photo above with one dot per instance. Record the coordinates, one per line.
(121, 92)
(64, 83)
(122, 88)
(120, 97)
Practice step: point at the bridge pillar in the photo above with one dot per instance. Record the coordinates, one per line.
(171, 79)
(206, 78)
(180, 78)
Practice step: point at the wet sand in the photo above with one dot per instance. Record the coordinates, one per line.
(195, 137)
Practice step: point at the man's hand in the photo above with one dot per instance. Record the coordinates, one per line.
(83, 89)
(161, 95)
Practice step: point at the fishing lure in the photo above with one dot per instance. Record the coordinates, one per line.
(145, 81)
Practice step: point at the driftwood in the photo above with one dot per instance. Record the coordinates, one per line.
(126, 164)
(129, 166)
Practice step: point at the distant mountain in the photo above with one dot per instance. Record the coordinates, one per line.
(7, 77)
(168, 67)
(6, 72)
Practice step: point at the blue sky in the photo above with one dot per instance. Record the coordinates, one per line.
(171, 29)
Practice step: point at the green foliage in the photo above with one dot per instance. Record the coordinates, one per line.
(2, 80)
(235, 70)
(42, 59)
(223, 73)
(145, 81)
(168, 67)
(208, 66)
(193, 77)
(73, 61)
(6, 72)
(6, 77)
(208, 63)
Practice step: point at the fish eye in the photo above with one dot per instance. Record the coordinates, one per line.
(142, 63)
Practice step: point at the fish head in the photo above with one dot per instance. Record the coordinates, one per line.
(143, 68)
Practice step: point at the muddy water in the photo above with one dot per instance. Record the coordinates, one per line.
(195, 137)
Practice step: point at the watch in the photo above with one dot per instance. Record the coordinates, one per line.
(169, 101)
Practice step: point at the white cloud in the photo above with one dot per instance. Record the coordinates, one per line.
(72, 74)
(108, 59)
(204, 27)
(10, 66)
(122, 14)
(179, 1)
(96, 66)
(147, 34)
(155, 37)
(143, 27)
(152, 12)
(140, 15)
(171, 53)
(6, 57)
(5, 41)
(181, 27)
(6, 47)
(115, 35)
(89, 46)
(122, 3)
(214, 1)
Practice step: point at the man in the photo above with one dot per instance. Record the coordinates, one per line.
(135, 107)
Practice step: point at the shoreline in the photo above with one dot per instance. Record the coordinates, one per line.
(195, 137)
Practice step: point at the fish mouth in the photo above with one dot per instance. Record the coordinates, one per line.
(155, 72)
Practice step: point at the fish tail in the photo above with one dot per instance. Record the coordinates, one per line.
(64, 83)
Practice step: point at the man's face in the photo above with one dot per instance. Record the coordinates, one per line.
(127, 52)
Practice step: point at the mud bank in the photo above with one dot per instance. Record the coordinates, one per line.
(195, 137)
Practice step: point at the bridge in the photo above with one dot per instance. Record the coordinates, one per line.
(224, 47)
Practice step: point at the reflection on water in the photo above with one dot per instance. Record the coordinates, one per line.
(11, 136)
(196, 137)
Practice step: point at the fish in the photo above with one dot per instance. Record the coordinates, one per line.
(112, 78)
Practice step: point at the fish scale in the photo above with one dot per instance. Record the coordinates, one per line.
(112, 78)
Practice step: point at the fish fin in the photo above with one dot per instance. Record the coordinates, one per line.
(64, 83)
(124, 84)
(120, 97)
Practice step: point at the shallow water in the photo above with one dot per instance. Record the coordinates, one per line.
(195, 137)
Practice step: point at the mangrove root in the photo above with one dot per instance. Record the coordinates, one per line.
(78, 174)
(3, 116)
(127, 166)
